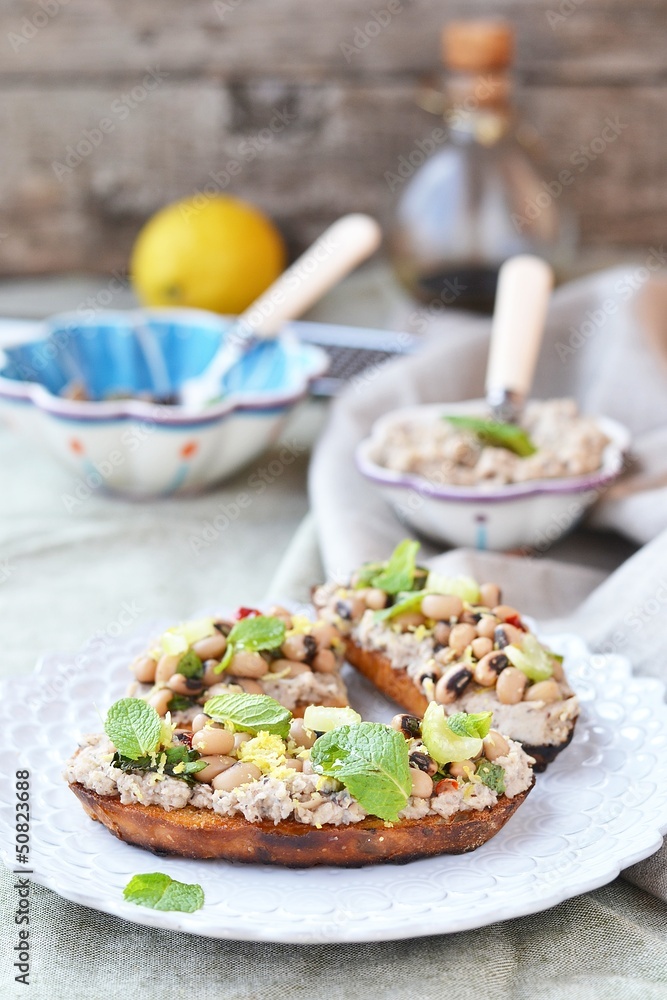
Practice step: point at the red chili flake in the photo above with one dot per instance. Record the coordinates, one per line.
(446, 785)
(516, 621)
(246, 613)
(185, 738)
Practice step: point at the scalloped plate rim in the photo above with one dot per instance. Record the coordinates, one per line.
(428, 921)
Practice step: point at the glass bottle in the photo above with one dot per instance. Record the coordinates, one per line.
(478, 198)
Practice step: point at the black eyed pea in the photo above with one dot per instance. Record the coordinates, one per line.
(424, 762)
(490, 667)
(160, 700)
(490, 595)
(495, 745)
(302, 737)
(452, 684)
(432, 673)
(506, 635)
(351, 608)
(210, 648)
(299, 647)
(278, 611)
(559, 673)
(470, 618)
(294, 763)
(547, 691)
(486, 626)
(441, 607)
(510, 686)
(213, 741)
(238, 774)
(461, 768)
(461, 636)
(144, 669)
(324, 662)
(240, 738)
(481, 646)
(444, 656)
(324, 634)
(250, 686)
(408, 620)
(218, 688)
(215, 765)
(246, 664)
(199, 722)
(376, 599)
(408, 725)
(504, 611)
(289, 668)
(422, 784)
(210, 676)
(441, 633)
(189, 686)
(166, 667)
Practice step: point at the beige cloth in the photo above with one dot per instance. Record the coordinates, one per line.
(608, 945)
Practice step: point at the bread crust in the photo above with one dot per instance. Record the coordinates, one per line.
(399, 686)
(202, 833)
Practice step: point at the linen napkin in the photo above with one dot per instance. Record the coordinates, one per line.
(605, 345)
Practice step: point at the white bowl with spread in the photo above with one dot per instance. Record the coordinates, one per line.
(530, 515)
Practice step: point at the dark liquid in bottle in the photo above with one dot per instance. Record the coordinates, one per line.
(472, 288)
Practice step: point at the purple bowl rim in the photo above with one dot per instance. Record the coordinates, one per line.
(519, 491)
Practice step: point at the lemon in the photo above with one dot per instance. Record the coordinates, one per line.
(206, 252)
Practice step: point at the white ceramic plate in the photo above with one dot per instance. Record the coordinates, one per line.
(601, 807)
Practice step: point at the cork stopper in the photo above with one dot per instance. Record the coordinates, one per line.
(477, 46)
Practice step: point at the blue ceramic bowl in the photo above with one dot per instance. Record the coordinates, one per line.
(132, 444)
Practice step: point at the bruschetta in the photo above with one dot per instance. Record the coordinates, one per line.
(252, 783)
(419, 636)
(288, 657)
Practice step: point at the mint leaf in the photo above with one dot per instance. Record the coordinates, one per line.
(253, 634)
(161, 892)
(496, 434)
(399, 572)
(134, 727)
(492, 775)
(372, 761)
(190, 665)
(176, 762)
(464, 724)
(250, 713)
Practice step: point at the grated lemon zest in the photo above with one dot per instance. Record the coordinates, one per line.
(267, 752)
(300, 624)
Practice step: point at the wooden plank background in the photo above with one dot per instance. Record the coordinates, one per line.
(222, 70)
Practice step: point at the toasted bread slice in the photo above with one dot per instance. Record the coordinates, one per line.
(401, 688)
(201, 833)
